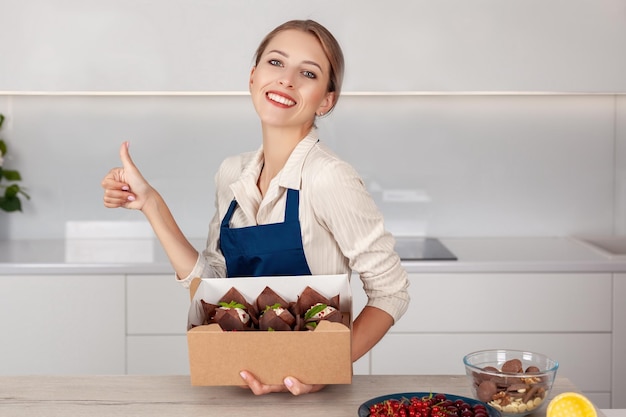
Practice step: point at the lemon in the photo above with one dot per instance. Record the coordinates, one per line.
(571, 404)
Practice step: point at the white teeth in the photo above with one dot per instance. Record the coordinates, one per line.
(280, 99)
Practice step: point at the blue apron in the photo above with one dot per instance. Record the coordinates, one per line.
(266, 249)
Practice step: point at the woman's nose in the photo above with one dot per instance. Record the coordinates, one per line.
(286, 79)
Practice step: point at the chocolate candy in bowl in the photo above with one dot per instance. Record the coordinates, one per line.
(514, 382)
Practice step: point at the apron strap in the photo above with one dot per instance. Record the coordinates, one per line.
(292, 205)
(229, 214)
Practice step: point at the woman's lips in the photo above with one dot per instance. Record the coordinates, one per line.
(281, 99)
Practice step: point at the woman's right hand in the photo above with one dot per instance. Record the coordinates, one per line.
(125, 186)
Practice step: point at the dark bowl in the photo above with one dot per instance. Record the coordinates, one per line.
(364, 409)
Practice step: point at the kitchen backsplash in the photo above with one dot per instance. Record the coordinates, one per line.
(442, 165)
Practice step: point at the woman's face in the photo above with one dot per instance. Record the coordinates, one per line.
(289, 84)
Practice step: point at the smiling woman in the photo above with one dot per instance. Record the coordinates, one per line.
(292, 207)
(328, 43)
(298, 67)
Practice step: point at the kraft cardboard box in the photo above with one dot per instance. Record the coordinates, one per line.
(321, 356)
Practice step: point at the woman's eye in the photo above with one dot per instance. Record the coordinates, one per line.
(275, 62)
(309, 74)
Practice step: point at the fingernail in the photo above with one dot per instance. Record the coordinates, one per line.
(131, 198)
(125, 188)
(243, 376)
(288, 382)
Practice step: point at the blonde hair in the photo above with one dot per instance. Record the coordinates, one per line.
(329, 44)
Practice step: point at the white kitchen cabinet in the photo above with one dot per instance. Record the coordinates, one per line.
(62, 324)
(115, 324)
(619, 341)
(156, 325)
(567, 316)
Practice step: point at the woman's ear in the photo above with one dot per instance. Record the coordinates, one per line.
(327, 103)
(251, 75)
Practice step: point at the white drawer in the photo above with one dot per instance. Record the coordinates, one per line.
(546, 302)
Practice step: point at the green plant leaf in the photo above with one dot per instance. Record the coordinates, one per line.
(311, 325)
(11, 175)
(21, 191)
(10, 204)
(11, 191)
(232, 304)
(314, 310)
(10, 200)
(272, 307)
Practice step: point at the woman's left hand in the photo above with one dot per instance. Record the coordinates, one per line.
(291, 384)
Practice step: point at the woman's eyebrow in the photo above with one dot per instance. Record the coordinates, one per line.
(304, 62)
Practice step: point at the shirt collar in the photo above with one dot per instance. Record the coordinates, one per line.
(245, 189)
(291, 174)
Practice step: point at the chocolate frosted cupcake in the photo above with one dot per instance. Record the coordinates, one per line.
(232, 312)
(274, 312)
(312, 307)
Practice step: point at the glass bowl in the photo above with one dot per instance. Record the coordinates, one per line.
(515, 382)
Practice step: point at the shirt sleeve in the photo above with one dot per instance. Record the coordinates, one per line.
(343, 205)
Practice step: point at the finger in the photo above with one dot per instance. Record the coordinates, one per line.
(117, 195)
(298, 388)
(127, 161)
(257, 387)
(253, 384)
(110, 183)
(114, 198)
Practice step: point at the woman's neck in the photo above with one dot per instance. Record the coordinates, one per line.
(278, 144)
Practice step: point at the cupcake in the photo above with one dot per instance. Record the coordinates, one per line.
(274, 314)
(232, 312)
(312, 307)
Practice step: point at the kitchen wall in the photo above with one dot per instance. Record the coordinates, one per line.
(484, 118)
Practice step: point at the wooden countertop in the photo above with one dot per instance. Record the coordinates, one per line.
(150, 396)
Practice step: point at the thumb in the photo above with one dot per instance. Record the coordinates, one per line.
(127, 162)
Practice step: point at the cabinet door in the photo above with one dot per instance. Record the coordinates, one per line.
(60, 324)
(619, 341)
(157, 308)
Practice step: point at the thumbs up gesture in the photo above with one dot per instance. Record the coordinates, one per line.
(125, 186)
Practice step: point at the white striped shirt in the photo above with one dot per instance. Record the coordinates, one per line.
(342, 229)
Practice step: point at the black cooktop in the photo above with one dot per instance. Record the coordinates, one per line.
(422, 249)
